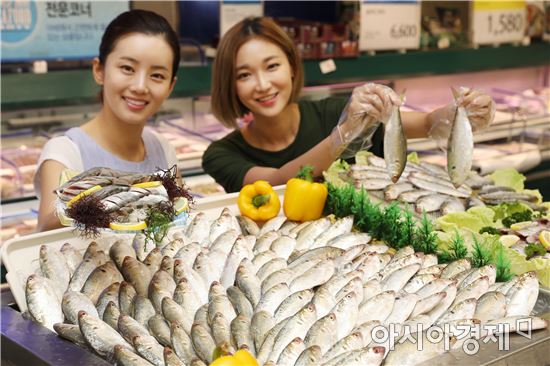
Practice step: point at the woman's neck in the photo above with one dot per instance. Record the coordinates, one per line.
(274, 133)
(120, 139)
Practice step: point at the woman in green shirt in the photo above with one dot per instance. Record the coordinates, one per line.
(258, 70)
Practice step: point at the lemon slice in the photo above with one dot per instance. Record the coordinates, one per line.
(128, 226)
(82, 194)
(154, 183)
(521, 225)
(508, 240)
(180, 205)
(544, 238)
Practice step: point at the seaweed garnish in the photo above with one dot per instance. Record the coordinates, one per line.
(89, 215)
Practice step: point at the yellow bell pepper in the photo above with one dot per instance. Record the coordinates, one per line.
(259, 201)
(304, 200)
(241, 358)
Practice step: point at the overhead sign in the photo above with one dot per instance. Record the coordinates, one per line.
(498, 21)
(53, 30)
(389, 25)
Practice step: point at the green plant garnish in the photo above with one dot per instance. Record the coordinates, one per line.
(481, 256)
(457, 250)
(503, 265)
(489, 230)
(517, 217)
(158, 220)
(532, 250)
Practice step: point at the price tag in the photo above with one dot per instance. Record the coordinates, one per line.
(232, 12)
(389, 25)
(498, 21)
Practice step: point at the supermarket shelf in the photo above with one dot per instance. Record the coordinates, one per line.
(62, 88)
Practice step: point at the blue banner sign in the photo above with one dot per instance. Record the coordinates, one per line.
(55, 30)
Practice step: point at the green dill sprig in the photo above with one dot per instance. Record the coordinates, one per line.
(407, 229)
(158, 220)
(481, 256)
(457, 250)
(503, 265)
(391, 225)
(360, 209)
(426, 239)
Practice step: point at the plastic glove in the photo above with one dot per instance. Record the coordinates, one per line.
(368, 105)
(479, 106)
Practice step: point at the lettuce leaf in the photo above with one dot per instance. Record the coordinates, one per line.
(361, 157)
(521, 265)
(508, 177)
(336, 172)
(413, 158)
(506, 209)
(472, 220)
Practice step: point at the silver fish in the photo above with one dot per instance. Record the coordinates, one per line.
(100, 336)
(491, 305)
(309, 357)
(149, 349)
(241, 334)
(293, 304)
(460, 148)
(248, 226)
(111, 315)
(239, 301)
(323, 333)
(182, 344)
(73, 302)
(171, 358)
(202, 342)
(125, 357)
(262, 322)
(160, 329)
(291, 352)
(395, 145)
(42, 301)
(54, 266)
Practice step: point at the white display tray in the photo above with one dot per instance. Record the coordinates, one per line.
(20, 255)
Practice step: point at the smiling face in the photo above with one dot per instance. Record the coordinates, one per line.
(136, 77)
(263, 77)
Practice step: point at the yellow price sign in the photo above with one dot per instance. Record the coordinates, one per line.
(496, 22)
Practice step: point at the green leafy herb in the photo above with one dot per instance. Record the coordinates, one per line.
(481, 256)
(391, 225)
(503, 265)
(360, 207)
(532, 250)
(517, 217)
(426, 239)
(408, 230)
(158, 220)
(489, 230)
(457, 250)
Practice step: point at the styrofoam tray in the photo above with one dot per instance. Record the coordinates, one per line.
(20, 255)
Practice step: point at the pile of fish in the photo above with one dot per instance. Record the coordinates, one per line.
(291, 293)
(428, 187)
(117, 191)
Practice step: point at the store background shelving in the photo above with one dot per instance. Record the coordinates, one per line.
(70, 87)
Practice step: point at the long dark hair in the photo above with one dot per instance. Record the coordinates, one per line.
(139, 21)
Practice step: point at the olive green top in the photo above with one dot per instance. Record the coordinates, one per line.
(227, 160)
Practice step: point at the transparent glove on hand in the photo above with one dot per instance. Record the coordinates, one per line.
(368, 105)
(479, 106)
